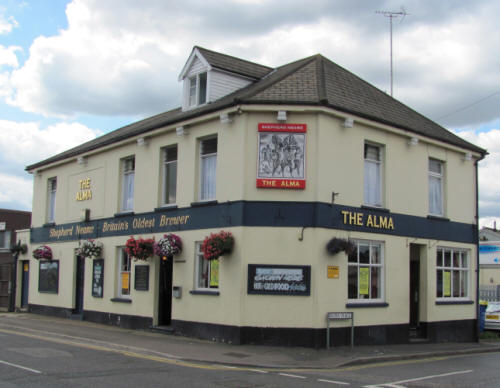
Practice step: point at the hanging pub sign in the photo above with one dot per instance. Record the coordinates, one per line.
(279, 279)
(97, 277)
(281, 159)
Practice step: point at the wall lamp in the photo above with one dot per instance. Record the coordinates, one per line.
(281, 115)
(181, 131)
(413, 142)
(225, 118)
(348, 122)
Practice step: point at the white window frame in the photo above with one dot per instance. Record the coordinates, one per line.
(165, 168)
(202, 196)
(440, 177)
(200, 261)
(122, 255)
(460, 268)
(381, 265)
(51, 199)
(367, 187)
(5, 237)
(127, 198)
(194, 90)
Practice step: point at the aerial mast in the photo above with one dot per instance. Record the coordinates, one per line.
(392, 15)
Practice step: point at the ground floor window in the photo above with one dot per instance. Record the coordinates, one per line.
(452, 273)
(124, 269)
(366, 271)
(206, 271)
(48, 276)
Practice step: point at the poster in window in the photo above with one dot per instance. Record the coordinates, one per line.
(97, 277)
(125, 282)
(364, 280)
(447, 283)
(214, 273)
(279, 279)
(281, 158)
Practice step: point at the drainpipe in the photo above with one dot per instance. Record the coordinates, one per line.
(476, 238)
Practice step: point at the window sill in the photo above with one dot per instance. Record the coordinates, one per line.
(374, 304)
(204, 292)
(376, 208)
(452, 302)
(165, 208)
(121, 300)
(123, 214)
(48, 292)
(204, 203)
(438, 218)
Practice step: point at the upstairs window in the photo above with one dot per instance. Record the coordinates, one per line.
(128, 173)
(198, 89)
(208, 164)
(5, 239)
(169, 175)
(51, 200)
(436, 187)
(373, 175)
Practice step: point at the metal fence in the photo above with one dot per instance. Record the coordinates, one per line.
(489, 293)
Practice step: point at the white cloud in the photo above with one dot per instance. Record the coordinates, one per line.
(6, 24)
(25, 143)
(16, 190)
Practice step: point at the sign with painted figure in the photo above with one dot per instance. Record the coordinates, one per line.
(279, 279)
(281, 159)
(489, 253)
(97, 277)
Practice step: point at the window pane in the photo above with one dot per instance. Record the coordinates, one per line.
(439, 284)
(375, 257)
(364, 254)
(353, 282)
(447, 259)
(208, 177)
(375, 282)
(372, 184)
(203, 273)
(456, 284)
(202, 98)
(192, 91)
(439, 261)
(209, 146)
(464, 260)
(128, 191)
(435, 166)
(456, 259)
(435, 196)
(171, 154)
(463, 284)
(372, 152)
(353, 257)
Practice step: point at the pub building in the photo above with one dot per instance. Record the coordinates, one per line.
(288, 193)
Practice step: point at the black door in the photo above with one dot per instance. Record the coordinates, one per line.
(165, 292)
(80, 281)
(25, 284)
(414, 293)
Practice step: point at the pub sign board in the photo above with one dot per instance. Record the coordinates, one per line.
(281, 159)
(264, 279)
(97, 277)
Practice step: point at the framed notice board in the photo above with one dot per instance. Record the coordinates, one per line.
(141, 280)
(97, 277)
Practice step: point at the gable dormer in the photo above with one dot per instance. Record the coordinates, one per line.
(208, 76)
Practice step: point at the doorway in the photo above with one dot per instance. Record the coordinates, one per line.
(5, 286)
(165, 292)
(25, 283)
(414, 302)
(79, 285)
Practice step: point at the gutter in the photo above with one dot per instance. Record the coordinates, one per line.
(476, 165)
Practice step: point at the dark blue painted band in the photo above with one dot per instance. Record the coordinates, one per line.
(261, 213)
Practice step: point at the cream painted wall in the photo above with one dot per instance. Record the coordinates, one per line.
(489, 275)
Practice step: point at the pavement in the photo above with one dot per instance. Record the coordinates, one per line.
(178, 349)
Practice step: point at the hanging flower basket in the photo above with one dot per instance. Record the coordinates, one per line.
(217, 244)
(90, 249)
(43, 253)
(168, 246)
(140, 249)
(336, 245)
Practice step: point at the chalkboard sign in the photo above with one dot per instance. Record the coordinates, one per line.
(279, 279)
(97, 277)
(141, 281)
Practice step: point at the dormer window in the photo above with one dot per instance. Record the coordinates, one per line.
(198, 89)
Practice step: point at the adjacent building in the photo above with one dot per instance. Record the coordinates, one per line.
(340, 199)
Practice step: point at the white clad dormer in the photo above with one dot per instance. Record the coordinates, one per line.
(208, 76)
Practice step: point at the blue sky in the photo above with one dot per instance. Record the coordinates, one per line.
(73, 70)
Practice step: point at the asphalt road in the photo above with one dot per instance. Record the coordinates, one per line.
(38, 362)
